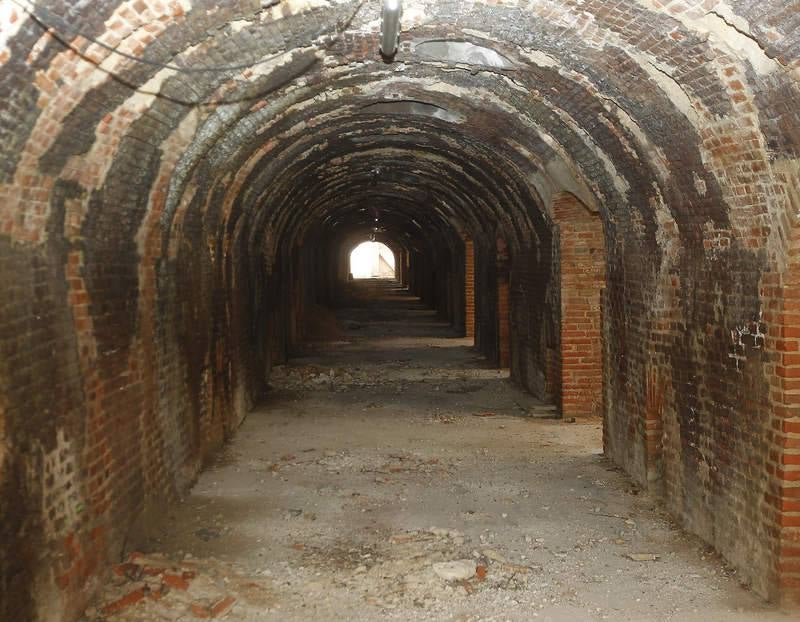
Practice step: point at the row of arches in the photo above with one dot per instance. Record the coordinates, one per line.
(168, 218)
(570, 367)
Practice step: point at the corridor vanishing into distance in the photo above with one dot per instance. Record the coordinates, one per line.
(390, 453)
(450, 310)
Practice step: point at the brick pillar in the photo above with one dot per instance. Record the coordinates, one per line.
(503, 324)
(503, 306)
(469, 287)
(582, 254)
(782, 504)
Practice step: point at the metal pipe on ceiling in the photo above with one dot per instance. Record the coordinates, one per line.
(390, 27)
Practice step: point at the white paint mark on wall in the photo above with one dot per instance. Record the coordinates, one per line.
(12, 18)
(699, 184)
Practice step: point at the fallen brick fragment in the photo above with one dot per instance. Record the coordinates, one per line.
(175, 581)
(129, 570)
(152, 562)
(222, 607)
(200, 611)
(126, 601)
(158, 593)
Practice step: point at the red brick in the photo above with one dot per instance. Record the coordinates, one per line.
(126, 601)
(199, 610)
(175, 581)
(222, 606)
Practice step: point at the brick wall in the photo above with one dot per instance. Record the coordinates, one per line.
(469, 287)
(486, 307)
(782, 501)
(503, 324)
(582, 271)
(535, 316)
(503, 314)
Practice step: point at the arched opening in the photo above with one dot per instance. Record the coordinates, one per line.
(372, 260)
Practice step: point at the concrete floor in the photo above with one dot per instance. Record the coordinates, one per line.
(394, 448)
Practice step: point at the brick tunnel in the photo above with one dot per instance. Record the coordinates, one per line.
(599, 197)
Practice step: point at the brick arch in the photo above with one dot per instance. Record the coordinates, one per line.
(581, 248)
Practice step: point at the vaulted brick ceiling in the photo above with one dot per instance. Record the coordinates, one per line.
(640, 104)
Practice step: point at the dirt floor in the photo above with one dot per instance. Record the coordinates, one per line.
(392, 475)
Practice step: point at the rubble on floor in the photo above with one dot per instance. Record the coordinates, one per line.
(155, 587)
(423, 487)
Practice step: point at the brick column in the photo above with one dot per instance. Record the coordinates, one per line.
(782, 504)
(469, 287)
(503, 306)
(503, 324)
(582, 254)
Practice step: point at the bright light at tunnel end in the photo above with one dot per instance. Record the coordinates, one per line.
(372, 260)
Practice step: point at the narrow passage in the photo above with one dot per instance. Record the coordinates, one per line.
(392, 450)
